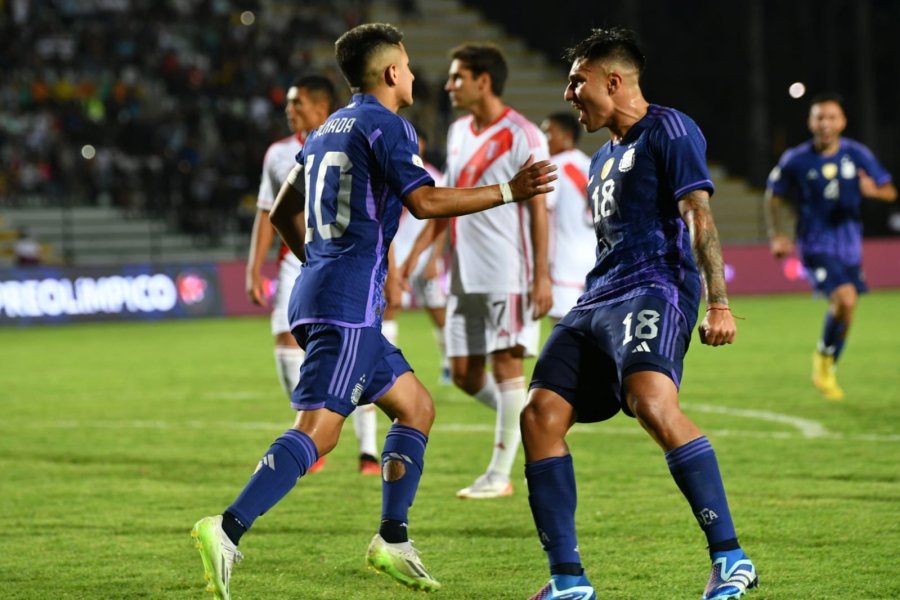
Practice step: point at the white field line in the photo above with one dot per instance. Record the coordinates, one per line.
(808, 431)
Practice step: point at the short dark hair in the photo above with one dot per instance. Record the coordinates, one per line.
(618, 43)
(355, 48)
(568, 122)
(827, 97)
(484, 58)
(318, 84)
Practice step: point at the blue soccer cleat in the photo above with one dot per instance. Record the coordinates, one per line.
(566, 587)
(731, 576)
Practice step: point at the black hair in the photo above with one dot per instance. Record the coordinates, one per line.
(484, 58)
(355, 48)
(617, 43)
(318, 84)
(568, 122)
(827, 97)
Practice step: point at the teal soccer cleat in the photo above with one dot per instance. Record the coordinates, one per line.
(731, 576)
(566, 587)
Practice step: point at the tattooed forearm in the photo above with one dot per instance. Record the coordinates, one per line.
(696, 213)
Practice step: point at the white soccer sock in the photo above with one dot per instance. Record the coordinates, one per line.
(442, 346)
(390, 330)
(488, 395)
(365, 424)
(287, 365)
(507, 434)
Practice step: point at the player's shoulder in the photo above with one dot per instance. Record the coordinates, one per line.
(671, 123)
(522, 124)
(855, 147)
(286, 146)
(797, 153)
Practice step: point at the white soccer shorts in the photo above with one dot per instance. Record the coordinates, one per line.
(479, 324)
(288, 271)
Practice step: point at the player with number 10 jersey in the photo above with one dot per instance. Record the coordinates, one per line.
(342, 281)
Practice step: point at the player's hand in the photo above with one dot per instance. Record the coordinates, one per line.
(541, 297)
(255, 286)
(867, 186)
(780, 245)
(533, 178)
(404, 273)
(718, 327)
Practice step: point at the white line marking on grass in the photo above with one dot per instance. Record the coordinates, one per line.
(581, 428)
(806, 427)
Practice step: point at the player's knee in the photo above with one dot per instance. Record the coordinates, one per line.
(468, 382)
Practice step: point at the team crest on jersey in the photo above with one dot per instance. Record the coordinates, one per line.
(627, 161)
(491, 150)
(829, 170)
(417, 160)
(848, 168)
(607, 167)
(812, 174)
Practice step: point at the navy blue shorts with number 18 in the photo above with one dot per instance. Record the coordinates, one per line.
(590, 352)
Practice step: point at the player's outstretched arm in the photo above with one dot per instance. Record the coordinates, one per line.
(718, 325)
(779, 244)
(428, 202)
(288, 213)
(886, 192)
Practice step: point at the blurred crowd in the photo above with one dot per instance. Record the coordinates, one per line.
(160, 107)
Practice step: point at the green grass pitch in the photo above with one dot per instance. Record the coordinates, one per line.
(115, 438)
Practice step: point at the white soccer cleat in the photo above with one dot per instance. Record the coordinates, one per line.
(218, 553)
(402, 562)
(489, 485)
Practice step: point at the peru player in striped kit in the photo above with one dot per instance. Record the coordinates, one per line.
(573, 245)
(310, 99)
(622, 346)
(499, 274)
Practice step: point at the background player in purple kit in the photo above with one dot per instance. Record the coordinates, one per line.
(825, 180)
(359, 168)
(622, 345)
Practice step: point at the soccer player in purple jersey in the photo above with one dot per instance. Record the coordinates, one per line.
(826, 179)
(622, 345)
(338, 211)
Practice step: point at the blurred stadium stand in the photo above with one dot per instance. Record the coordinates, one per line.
(134, 130)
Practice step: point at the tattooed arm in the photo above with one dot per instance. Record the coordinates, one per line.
(717, 327)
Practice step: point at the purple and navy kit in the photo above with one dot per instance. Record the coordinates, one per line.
(642, 296)
(826, 197)
(358, 165)
(643, 244)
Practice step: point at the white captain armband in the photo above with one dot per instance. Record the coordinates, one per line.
(296, 180)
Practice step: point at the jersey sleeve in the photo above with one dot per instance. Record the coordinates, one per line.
(398, 154)
(779, 180)
(683, 151)
(866, 160)
(529, 141)
(266, 195)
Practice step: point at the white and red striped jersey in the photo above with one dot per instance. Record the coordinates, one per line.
(492, 249)
(573, 243)
(279, 160)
